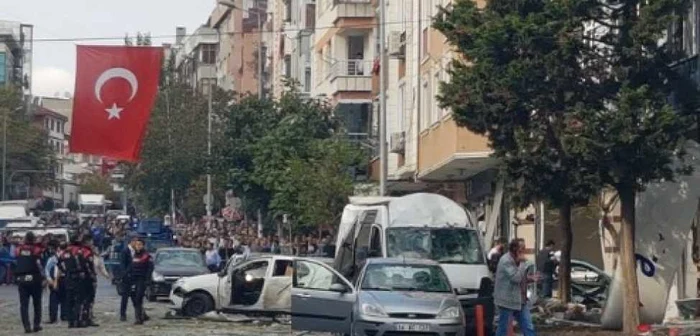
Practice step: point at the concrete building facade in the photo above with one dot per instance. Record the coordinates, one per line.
(240, 39)
(16, 44)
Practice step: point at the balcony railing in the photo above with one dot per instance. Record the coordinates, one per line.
(355, 68)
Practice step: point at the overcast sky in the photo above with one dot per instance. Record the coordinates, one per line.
(54, 62)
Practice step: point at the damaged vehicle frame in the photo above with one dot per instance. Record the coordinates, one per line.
(257, 284)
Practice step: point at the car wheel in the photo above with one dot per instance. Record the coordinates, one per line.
(150, 296)
(197, 304)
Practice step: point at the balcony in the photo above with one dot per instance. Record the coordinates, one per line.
(355, 14)
(447, 152)
(349, 75)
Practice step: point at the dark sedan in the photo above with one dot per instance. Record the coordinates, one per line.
(171, 264)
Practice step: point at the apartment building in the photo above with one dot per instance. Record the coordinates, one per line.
(291, 28)
(428, 151)
(195, 57)
(16, 43)
(241, 29)
(344, 50)
(54, 124)
(72, 165)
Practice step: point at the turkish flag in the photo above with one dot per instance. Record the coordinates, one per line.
(115, 89)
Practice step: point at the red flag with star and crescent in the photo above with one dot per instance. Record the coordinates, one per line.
(115, 89)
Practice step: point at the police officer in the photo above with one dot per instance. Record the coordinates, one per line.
(71, 270)
(89, 283)
(28, 275)
(138, 274)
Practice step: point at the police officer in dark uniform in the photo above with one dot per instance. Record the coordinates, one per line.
(138, 274)
(71, 269)
(29, 277)
(89, 283)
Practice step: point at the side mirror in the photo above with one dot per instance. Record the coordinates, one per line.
(222, 273)
(456, 290)
(338, 288)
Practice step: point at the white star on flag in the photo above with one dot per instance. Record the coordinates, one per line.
(114, 111)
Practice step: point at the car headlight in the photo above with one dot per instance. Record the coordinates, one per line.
(158, 277)
(450, 313)
(369, 309)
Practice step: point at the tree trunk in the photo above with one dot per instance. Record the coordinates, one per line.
(630, 317)
(565, 262)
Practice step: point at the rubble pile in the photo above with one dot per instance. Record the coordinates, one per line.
(554, 312)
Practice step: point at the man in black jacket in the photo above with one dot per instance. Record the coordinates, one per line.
(124, 287)
(139, 275)
(125, 258)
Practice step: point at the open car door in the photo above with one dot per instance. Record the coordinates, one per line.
(315, 285)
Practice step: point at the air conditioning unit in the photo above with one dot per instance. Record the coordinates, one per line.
(397, 43)
(397, 142)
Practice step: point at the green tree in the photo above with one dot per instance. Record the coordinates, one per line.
(525, 88)
(141, 39)
(568, 109)
(640, 132)
(287, 156)
(27, 145)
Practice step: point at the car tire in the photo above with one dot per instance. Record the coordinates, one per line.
(150, 296)
(197, 304)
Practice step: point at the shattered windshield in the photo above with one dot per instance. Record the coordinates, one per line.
(406, 277)
(444, 245)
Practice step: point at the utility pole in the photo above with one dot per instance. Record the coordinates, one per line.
(170, 145)
(209, 196)
(383, 153)
(261, 59)
(4, 154)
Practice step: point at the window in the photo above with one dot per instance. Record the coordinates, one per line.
(52, 125)
(425, 105)
(60, 127)
(46, 124)
(307, 79)
(311, 275)
(255, 270)
(288, 11)
(437, 114)
(208, 53)
(282, 268)
(402, 109)
(375, 243)
(288, 66)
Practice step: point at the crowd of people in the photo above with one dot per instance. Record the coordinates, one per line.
(221, 240)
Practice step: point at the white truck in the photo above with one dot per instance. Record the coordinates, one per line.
(420, 226)
(92, 206)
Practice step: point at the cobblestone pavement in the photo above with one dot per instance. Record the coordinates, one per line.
(106, 313)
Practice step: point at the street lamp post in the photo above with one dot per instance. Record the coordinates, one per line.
(232, 5)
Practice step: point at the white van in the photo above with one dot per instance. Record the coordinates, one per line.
(417, 226)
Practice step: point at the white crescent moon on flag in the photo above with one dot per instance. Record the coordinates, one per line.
(116, 73)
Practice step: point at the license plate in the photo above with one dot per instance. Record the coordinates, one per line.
(28, 278)
(412, 327)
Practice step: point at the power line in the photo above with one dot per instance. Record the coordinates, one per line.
(239, 32)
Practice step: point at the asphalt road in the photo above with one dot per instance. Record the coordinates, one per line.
(107, 315)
